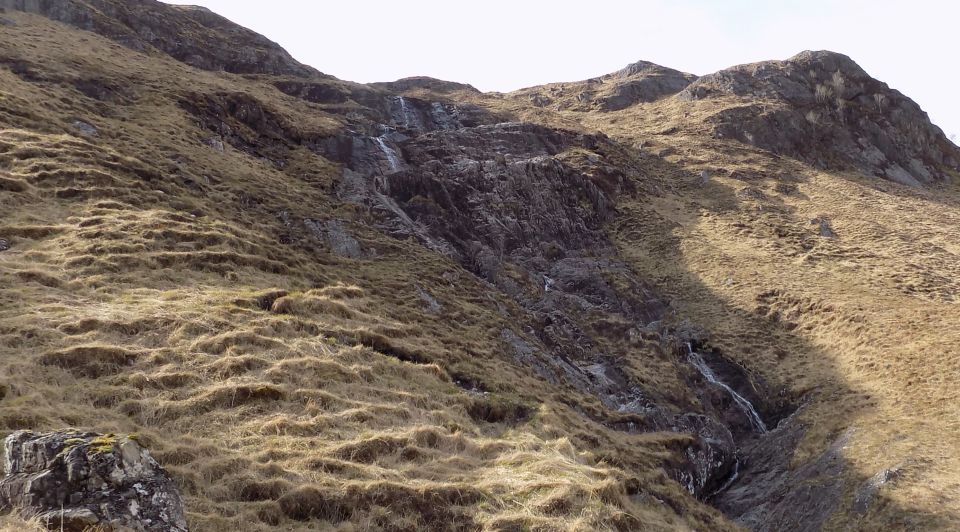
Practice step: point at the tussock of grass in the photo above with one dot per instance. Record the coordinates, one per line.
(90, 361)
(12, 523)
(152, 286)
(307, 305)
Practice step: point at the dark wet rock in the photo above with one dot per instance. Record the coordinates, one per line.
(770, 406)
(417, 116)
(498, 190)
(828, 112)
(770, 495)
(375, 144)
(191, 34)
(75, 480)
(712, 457)
(4, 244)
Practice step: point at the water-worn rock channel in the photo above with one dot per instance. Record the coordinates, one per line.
(508, 202)
(524, 208)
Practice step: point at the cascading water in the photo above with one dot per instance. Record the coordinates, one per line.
(392, 159)
(730, 480)
(547, 283)
(749, 411)
(405, 111)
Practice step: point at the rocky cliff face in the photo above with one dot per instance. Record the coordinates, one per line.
(411, 304)
(822, 108)
(636, 83)
(194, 35)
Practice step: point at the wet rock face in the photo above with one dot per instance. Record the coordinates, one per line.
(770, 406)
(82, 480)
(499, 191)
(523, 207)
(711, 459)
(772, 495)
(822, 108)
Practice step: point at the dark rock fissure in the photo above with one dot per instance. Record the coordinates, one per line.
(749, 412)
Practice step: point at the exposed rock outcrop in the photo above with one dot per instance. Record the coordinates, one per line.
(822, 108)
(771, 495)
(248, 125)
(642, 81)
(523, 207)
(423, 82)
(75, 481)
(638, 82)
(194, 35)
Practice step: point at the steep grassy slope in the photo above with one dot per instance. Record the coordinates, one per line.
(287, 286)
(857, 319)
(154, 284)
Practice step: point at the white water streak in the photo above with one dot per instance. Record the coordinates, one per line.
(755, 421)
(405, 110)
(392, 159)
(730, 480)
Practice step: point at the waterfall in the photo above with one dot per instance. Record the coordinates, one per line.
(547, 283)
(697, 361)
(730, 480)
(405, 111)
(392, 159)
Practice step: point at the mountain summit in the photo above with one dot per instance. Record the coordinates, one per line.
(647, 300)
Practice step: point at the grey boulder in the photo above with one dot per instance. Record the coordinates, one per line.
(74, 481)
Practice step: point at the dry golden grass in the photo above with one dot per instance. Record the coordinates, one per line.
(11, 523)
(148, 290)
(861, 326)
(152, 287)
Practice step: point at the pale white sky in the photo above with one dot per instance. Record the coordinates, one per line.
(502, 45)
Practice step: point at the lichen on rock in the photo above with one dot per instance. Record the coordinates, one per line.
(72, 480)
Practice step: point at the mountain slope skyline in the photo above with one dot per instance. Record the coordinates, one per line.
(646, 300)
(560, 42)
